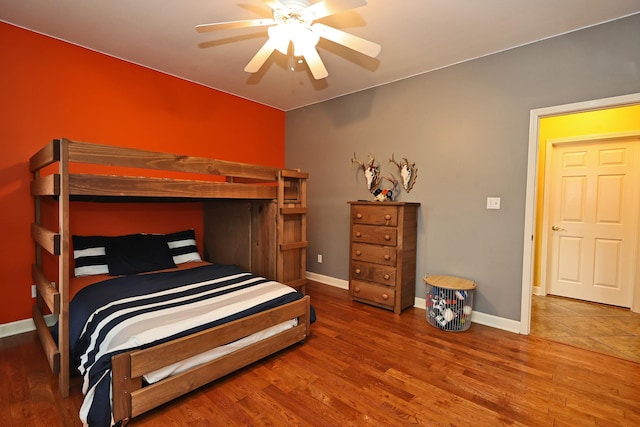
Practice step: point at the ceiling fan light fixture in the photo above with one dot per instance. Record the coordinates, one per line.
(293, 24)
(279, 37)
(303, 39)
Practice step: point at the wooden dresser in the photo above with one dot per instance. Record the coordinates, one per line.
(382, 264)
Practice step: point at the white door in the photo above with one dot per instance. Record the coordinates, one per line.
(593, 219)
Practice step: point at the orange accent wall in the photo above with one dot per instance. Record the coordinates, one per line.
(51, 89)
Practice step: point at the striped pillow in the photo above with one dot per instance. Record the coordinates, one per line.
(183, 247)
(90, 255)
(89, 252)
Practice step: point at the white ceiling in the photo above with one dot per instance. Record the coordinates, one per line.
(416, 36)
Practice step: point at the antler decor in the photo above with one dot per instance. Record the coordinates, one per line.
(371, 171)
(408, 172)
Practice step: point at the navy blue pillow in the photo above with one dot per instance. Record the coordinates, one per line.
(138, 253)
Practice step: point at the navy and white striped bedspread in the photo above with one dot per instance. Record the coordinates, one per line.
(144, 310)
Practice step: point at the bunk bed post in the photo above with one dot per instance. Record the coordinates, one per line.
(292, 228)
(280, 230)
(63, 269)
(303, 231)
(37, 220)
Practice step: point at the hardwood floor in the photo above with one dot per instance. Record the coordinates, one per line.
(367, 366)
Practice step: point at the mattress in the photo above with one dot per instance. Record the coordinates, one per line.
(140, 311)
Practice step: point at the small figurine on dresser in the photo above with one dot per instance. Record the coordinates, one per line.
(383, 195)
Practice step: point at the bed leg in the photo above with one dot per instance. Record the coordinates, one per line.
(122, 423)
(122, 385)
(307, 318)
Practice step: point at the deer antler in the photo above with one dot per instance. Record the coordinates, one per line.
(354, 160)
(371, 171)
(403, 163)
(393, 160)
(392, 180)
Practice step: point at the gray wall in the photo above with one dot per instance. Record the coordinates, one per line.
(466, 127)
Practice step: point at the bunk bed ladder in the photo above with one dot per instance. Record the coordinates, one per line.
(292, 229)
(56, 244)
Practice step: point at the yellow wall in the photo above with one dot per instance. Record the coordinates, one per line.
(621, 119)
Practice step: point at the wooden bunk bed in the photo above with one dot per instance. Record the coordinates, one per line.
(271, 198)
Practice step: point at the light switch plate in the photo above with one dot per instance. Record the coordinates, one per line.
(493, 202)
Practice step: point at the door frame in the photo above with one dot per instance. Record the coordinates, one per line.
(531, 191)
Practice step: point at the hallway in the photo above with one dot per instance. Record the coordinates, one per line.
(602, 328)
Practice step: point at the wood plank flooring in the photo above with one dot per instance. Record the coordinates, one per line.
(367, 366)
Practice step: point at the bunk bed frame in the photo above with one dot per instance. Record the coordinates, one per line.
(284, 188)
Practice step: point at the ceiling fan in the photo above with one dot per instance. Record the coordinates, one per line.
(293, 23)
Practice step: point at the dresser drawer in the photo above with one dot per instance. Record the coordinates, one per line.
(375, 215)
(372, 253)
(373, 273)
(372, 292)
(374, 234)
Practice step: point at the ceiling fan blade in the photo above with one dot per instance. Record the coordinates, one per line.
(260, 57)
(329, 7)
(234, 24)
(315, 64)
(349, 40)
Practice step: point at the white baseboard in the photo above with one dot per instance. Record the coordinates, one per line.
(22, 326)
(496, 322)
(421, 303)
(27, 325)
(327, 280)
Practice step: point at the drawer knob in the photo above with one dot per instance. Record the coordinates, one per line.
(387, 257)
(356, 289)
(386, 277)
(358, 271)
(358, 234)
(387, 217)
(358, 253)
(385, 297)
(359, 215)
(387, 237)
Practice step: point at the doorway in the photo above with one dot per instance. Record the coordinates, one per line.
(590, 215)
(532, 232)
